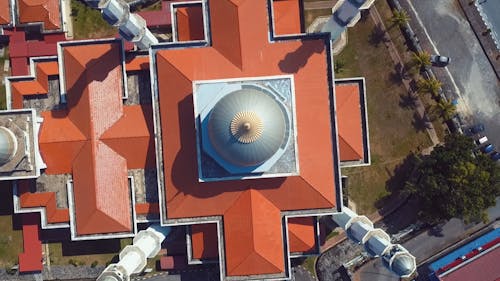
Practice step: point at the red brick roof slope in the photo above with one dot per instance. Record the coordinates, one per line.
(5, 12)
(484, 268)
(204, 241)
(347, 97)
(253, 236)
(100, 137)
(301, 234)
(45, 11)
(286, 17)
(101, 192)
(190, 23)
(94, 96)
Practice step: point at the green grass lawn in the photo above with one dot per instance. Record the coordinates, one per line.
(391, 129)
(88, 22)
(11, 241)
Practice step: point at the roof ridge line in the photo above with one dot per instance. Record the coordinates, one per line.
(312, 187)
(349, 145)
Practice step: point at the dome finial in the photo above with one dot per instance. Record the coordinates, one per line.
(246, 126)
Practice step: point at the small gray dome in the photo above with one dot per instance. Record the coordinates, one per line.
(403, 264)
(247, 127)
(8, 145)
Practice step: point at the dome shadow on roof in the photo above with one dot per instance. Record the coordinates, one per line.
(247, 127)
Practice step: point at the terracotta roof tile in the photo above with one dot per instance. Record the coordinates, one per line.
(5, 12)
(101, 191)
(256, 221)
(45, 11)
(101, 138)
(232, 56)
(347, 97)
(286, 17)
(137, 63)
(301, 234)
(204, 241)
(147, 208)
(190, 23)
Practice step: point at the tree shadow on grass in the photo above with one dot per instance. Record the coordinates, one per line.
(378, 36)
(407, 101)
(395, 184)
(420, 124)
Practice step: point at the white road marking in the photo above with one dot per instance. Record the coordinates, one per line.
(462, 103)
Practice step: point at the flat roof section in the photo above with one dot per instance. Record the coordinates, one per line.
(44, 11)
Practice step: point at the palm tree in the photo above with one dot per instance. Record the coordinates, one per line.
(421, 60)
(445, 109)
(400, 17)
(431, 86)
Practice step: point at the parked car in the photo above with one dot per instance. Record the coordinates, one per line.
(488, 148)
(481, 140)
(475, 129)
(438, 60)
(495, 156)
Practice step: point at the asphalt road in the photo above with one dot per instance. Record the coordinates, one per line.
(472, 80)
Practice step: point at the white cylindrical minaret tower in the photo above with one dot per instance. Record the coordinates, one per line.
(132, 27)
(8, 145)
(376, 242)
(147, 244)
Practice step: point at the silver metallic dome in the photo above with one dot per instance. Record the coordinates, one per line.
(247, 127)
(8, 145)
(403, 264)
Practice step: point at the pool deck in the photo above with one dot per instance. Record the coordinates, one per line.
(478, 25)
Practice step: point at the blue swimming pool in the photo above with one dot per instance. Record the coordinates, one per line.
(490, 12)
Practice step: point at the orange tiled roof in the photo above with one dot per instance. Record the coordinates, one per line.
(286, 17)
(301, 234)
(4, 12)
(349, 122)
(252, 236)
(251, 55)
(96, 141)
(190, 23)
(45, 11)
(137, 63)
(147, 208)
(204, 241)
(44, 199)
